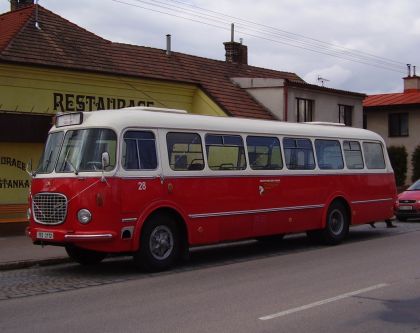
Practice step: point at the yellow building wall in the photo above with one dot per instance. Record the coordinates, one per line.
(47, 91)
(42, 91)
(14, 180)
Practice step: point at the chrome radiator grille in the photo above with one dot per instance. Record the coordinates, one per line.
(49, 208)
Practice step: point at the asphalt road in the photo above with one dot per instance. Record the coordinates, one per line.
(370, 283)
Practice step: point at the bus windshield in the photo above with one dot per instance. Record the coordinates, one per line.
(82, 150)
(50, 154)
(78, 150)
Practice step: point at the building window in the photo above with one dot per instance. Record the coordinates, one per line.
(398, 124)
(304, 110)
(345, 114)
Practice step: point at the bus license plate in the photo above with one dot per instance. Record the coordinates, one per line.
(406, 207)
(44, 235)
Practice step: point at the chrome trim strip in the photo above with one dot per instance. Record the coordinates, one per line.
(129, 219)
(254, 211)
(371, 201)
(86, 237)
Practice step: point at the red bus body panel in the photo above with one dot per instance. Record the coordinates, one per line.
(214, 209)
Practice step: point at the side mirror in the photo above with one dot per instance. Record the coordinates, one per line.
(105, 160)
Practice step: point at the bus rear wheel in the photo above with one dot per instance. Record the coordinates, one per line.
(159, 244)
(83, 256)
(337, 224)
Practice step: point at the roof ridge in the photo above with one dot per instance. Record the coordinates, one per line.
(274, 71)
(72, 23)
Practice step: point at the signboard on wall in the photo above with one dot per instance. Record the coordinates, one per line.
(14, 180)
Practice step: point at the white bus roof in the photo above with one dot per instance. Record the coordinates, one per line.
(144, 117)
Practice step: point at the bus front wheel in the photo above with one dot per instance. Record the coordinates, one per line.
(159, 244)
(83, 256)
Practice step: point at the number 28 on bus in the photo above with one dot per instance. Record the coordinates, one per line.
(155, 182)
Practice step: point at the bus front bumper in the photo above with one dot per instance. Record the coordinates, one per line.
(65, 236)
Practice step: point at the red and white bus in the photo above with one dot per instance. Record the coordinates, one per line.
(154, 182)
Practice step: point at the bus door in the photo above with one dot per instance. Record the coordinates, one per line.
(140, 173)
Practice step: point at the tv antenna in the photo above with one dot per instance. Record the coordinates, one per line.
(322, 80)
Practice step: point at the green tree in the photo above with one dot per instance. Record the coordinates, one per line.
(398, 157)
(415, 163)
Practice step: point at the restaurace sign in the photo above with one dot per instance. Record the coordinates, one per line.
(73, 102)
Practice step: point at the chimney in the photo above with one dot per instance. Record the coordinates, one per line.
(412, 81)
(17, 4)
(236, 53)
(168, 44)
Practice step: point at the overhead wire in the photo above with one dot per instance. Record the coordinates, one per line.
(252, 29)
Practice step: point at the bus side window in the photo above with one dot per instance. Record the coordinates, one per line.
(328, 154)
(225, 152)
(139, 151)
(298, 154)
(374, 155)
(264, 153)
(353, 155)
(185, 151)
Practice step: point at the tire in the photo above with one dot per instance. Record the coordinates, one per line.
(83, 256)
(402, 219)
(160, 246)
(337, 224)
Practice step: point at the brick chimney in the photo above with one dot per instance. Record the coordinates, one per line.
(17, 4)
(412, 81)
(236, 52)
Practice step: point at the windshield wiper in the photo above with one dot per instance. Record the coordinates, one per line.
(67, 161)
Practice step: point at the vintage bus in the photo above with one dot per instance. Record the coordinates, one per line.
(155, 182)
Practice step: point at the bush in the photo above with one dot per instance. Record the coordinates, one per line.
(415, 162)
(398, 157)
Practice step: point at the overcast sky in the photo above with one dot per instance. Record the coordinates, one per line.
(385, 28)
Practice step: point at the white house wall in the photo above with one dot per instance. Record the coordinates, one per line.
(325, 105)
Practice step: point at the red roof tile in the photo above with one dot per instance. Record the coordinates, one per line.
(60, 43)
(12, 24)
(395, 99)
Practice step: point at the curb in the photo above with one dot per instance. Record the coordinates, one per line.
(7, 266)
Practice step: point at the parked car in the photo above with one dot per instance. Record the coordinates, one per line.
(408, 203)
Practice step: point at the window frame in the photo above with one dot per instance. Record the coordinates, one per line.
(244, 150)
(251, 166)
(137, 148)
(398, 119)
(318, 155)
(345, 114)
(285, 155)
(188, 166)
(308, 109)
(360, 150)
(367, 160)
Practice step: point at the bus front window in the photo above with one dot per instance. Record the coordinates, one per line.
(82, 150)
(50, 154)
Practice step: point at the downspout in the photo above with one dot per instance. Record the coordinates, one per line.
(285, 97)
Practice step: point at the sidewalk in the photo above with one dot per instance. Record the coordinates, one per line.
(19, 252)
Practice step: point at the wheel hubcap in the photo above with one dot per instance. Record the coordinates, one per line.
(161, 242)
(336, 222)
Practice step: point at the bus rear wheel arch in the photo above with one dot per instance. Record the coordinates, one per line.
(336, 225)
(162, 242)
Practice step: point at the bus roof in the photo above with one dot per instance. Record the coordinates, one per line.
(144, 117)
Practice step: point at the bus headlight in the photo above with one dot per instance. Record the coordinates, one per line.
(84, 216)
